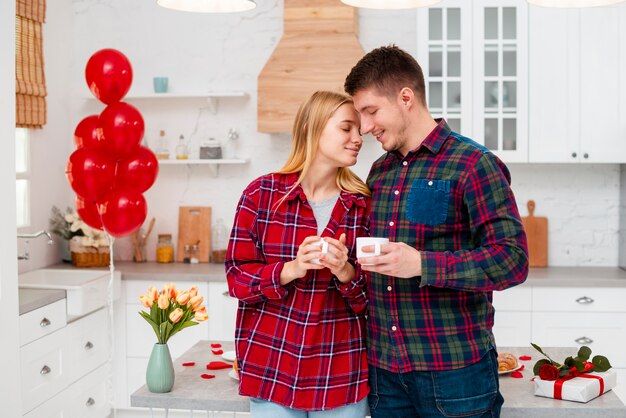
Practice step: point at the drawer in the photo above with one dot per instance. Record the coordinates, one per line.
(52, 408)
(579, 299)
(512, 329)
(43, 368)
(88, 343)
(88, 397)
(604, 334)
(43, 321)
(515, 299)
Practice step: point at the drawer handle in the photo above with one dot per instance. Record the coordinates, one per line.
(88, 346)
(90, 402)
(583, 340)
(45, 370)
(584, 300)
(44, 323)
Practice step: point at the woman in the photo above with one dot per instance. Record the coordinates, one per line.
(300, 336)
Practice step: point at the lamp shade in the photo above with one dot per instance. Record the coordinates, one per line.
(390, 4)
(208, 6)
(573, 3)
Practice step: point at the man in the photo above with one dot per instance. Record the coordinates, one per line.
(455, 234)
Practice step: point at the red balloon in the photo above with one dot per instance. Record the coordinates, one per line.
(121, 129)
(88, 212)
(90, 172)
(86, 132)
(123, 212)
(109, 75)
(138, 171)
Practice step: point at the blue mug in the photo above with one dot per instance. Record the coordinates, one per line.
(160, 84)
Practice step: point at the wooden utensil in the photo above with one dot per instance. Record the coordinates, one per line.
(194, 226)
(537, 233)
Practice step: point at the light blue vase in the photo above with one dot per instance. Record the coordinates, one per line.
(160, 371)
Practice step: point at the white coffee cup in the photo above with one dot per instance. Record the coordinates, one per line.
(365, 241)
(323, 248)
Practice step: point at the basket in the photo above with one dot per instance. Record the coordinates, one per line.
(91, 259)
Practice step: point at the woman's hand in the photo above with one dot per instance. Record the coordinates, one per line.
(298, 267)
(337, 259)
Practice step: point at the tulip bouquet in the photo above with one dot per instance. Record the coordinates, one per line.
(172, 310)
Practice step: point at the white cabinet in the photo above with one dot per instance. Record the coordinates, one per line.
(474, 57)
(512, 327)
(577, 78)
(222, 310)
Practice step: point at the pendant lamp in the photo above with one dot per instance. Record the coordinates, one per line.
(208, 6)
(390, 4)
(573, 3)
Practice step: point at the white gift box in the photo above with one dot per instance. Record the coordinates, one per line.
(579, 389)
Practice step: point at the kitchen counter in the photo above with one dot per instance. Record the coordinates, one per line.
(191, 392)
(31, 299)
(548, 277)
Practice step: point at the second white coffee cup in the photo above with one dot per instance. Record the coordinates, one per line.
(323, 248)
(366, 241)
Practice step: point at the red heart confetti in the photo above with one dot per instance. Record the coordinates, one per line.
(525, 358)
(217, 352)
(217, 365)
(517, 374)
(216, 345)
(522, 368)
(189, 364)
(207, 376)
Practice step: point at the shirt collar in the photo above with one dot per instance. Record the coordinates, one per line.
(347, 198)
(433, 141)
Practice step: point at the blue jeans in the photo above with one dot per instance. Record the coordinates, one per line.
(260, 408)
(471, 391)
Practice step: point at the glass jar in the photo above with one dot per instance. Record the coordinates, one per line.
(219, 242)
(165, 249)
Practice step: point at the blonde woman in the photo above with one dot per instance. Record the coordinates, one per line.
(300, 335)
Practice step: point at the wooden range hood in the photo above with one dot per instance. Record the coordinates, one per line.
(316, 52)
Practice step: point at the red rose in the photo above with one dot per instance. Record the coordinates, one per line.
(548, 372)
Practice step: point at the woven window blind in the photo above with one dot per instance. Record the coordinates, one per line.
(30, 83)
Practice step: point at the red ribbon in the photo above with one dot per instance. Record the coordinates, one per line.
(558, 384)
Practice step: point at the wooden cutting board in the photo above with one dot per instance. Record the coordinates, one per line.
(536, 228)
(194, 224)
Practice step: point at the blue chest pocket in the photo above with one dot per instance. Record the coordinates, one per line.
(428, 201)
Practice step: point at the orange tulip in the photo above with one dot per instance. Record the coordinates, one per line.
(170, 290)
(175, 315)
(193, 290)
(195, 302)
(153, 293)
(183, 297)
(200, 316)
(146, 301)
(164, 301)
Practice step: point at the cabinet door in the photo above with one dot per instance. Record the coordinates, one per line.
(554, 97)
(88, 343)
(500, 92)
(444, 53)
(603, 120)
(222, 311)
(512, 329)
(88, 397)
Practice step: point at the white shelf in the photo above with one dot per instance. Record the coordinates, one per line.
(211, 95)
(201, 162)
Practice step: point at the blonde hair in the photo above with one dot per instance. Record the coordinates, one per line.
(311, 119)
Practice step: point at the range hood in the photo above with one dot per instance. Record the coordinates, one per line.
(318, 48)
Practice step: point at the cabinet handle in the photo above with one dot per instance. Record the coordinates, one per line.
(88, 346)
(225, 293)
(44, 323)
(583, 340)
(90, 402)
(574, 155)
(584, 300)
(45, 370)
(585, 155)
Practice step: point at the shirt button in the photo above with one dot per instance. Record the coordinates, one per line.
(389, 288)
(393, 328)
(397, 192)
(391, 223)
(430, 183)
(404, 163)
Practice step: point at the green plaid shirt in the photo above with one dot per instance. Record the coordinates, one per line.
(450, 199)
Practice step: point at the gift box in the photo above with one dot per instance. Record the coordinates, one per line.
(579, 388)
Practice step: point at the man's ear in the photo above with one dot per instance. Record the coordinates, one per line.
(406, 97)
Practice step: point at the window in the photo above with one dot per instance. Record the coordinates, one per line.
(22, 170)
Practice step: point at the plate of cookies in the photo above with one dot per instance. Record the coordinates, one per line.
(507, 363)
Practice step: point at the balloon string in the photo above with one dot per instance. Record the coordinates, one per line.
(110, 297)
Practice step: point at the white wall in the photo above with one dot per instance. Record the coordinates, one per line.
(201, 52)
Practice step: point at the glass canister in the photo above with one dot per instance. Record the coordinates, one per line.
(219, 242)
(165, 249)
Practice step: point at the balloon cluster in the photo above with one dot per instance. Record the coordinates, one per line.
(110, 170)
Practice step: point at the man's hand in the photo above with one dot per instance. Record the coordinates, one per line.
(396, 259)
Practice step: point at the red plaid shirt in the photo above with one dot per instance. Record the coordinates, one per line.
(301, 345)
